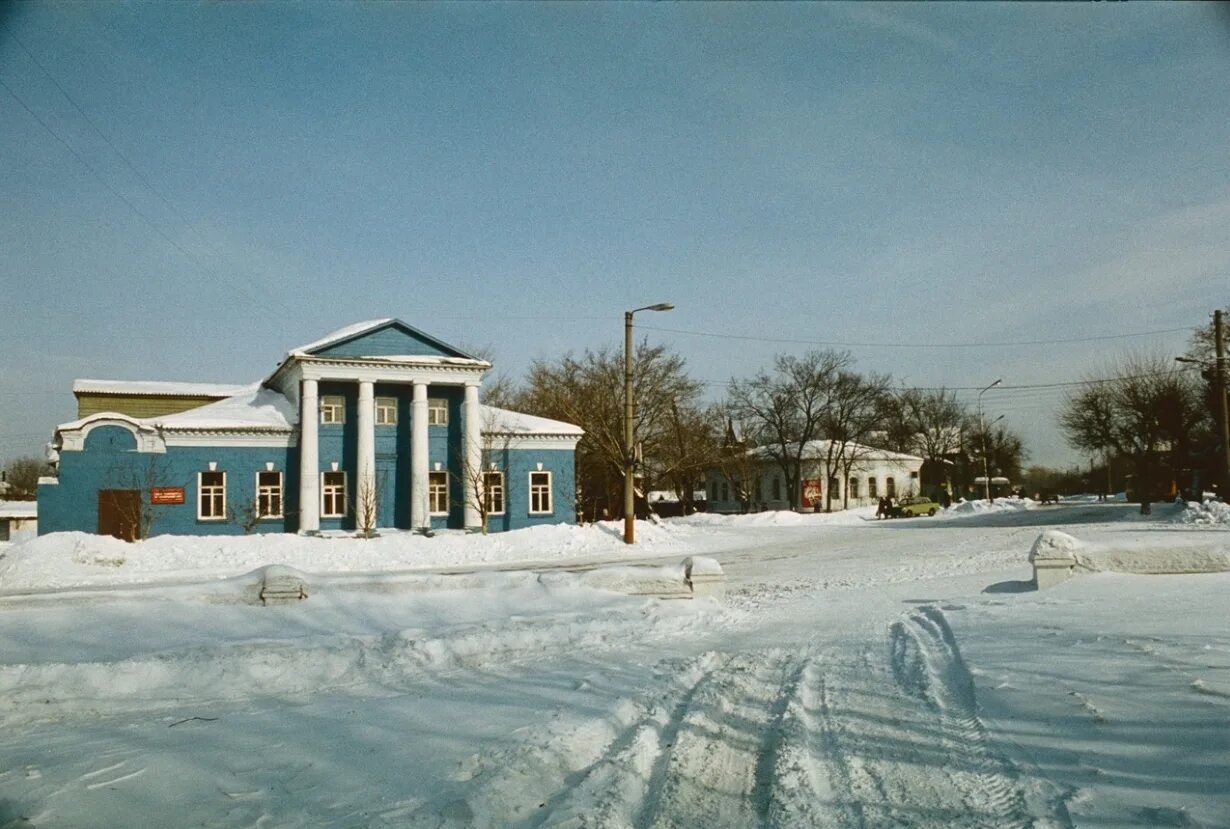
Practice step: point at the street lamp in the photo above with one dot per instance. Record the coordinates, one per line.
(986, 475)
(629, 438)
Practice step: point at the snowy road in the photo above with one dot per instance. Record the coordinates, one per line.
(857, 674)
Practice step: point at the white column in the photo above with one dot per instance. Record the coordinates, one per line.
(419, 516)
(472, 454)
(309, 459)
(365, 487)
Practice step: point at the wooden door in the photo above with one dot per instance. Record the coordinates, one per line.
(119, 510)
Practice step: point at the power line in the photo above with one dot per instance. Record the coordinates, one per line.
(908, 345)
(122, 197)
(1026, 388)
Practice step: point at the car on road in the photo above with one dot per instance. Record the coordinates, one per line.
(915, 506)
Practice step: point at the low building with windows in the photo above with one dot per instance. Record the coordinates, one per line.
(752, 480)
(18, 520)
(384, 418)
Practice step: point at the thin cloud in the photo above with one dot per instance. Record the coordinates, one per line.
(873, 16)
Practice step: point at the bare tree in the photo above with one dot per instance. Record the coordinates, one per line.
(588, 391)
(690, 445)
(366, 505)
(21, 475)
(929, 424)
(484, 473)
(857, 411)
(140, 512)
(1141, 409)
(789, 406)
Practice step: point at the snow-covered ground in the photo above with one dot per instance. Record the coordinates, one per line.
(855, 673)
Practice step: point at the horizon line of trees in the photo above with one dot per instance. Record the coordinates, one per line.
(776, 411)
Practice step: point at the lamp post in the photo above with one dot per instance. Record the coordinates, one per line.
(986, 475)
(629, 437)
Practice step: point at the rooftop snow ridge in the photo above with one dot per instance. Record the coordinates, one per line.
(157, 387)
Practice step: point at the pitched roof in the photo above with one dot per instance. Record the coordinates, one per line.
(341, 334)
(504, 422)
(359, 329)
(256, 407)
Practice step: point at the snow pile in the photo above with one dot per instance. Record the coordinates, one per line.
(1210, 512)
(984, 507)
(61, 560)
(776, 518)
(1053, 544)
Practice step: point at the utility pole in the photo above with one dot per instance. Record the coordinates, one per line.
(1220, 375)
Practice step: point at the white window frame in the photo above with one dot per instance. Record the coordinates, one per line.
(437, 411)
(214, 490)
(386, 411)
(324, 491)
(269, 491)
(852, 487)
(499, 487)
(434, 490)
(890, 487)
(872, 490)
(540, 490)
(332, 408)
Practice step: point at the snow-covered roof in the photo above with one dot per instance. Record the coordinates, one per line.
(340, 334)
(819, 449)
(155, 388)
(504, 422)
(18, 509)
(256, 407)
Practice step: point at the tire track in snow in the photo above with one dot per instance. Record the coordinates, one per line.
(728, 742)
(927, 663)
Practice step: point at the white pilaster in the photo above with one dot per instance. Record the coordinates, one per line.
(365, 487)
(419, 516)
(472, 474)
(309, 459)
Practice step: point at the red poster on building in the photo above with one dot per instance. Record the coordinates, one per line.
(811, 492)
(166, 495)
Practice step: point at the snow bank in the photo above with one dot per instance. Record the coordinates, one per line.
(1160, 553)
(984, 507)
(776, 518)
(75, 559)
(1210, 512)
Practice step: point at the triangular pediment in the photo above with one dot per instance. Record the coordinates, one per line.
(381, 338)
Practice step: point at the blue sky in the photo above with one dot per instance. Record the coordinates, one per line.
(187, 190)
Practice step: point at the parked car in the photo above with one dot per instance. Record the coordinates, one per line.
(915, 506)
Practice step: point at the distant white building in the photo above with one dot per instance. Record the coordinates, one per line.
(874, 474)
(18, 520)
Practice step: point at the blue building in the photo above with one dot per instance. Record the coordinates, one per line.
(384, 419)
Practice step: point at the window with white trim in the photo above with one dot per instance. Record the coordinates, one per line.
(269, 494)
(871, 488)
(332, 408)
(540, 493)
(386, 411)
(211, 496)
(332, 494)
(437, 411)
(493, 492)
(437, 493)
(890, 487)
(853, 487)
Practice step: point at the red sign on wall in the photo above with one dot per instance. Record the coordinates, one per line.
(166, 495)
(811, 491)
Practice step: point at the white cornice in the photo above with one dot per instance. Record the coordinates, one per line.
(351, 369)
(231, 438)
(495, 442)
